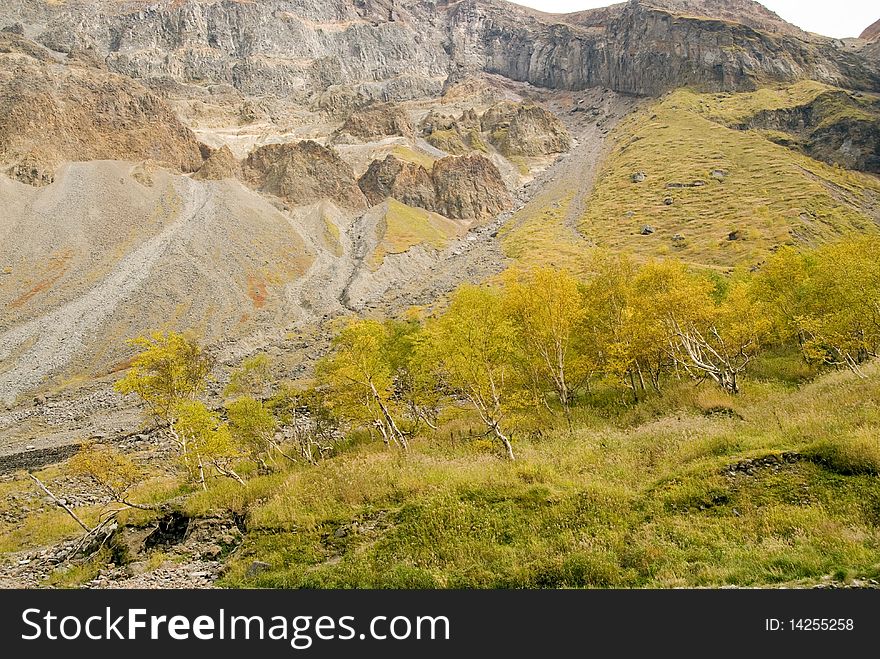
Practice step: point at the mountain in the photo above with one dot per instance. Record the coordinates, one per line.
(252, 170)
(871, 32)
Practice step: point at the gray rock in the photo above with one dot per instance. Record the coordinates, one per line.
(639, 177)
(647, 230)
(257, 567)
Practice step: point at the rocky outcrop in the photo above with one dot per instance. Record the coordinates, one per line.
(456, 136)
(747, 12)
(515, 129)
(836, 127)
(525, 130)
(640, 49)
(220, 164)
(469, 188)
(459, 187)
(302, 173)
(405, 181)
(53, 112)
(376, 122)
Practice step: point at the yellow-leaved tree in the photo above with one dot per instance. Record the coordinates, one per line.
(547, 312)
(170, 368)
(169, 374)
(627, 341)
(710, 333)
(359, 382)
(473, 345)
(840, 323)
(113, 472)
(204, 442)
(251, 421)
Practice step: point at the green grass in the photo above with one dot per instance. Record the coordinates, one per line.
(77, 574)
(332, 236)
(638, 496)
(541, 239)
(770, 194)
(733, 108)
(688, 488)
(830, 105)
(449, 141)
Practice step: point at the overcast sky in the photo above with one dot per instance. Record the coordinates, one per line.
(833, 18)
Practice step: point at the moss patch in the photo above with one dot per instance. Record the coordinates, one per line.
(406, 226)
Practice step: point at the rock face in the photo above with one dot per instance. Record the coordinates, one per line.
(52, 112)
(405, 181)
(525, 130)
(515, 129)
(454, 136)
(376, 122)
(469, 188)
(303, 173)
(404, 49)
(637, 48)
(750, 13)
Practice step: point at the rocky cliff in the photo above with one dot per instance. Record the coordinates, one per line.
(403, 49)
(302, 173)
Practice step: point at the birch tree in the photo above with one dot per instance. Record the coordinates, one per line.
(473, 348)
(359, 382)
(547, 312)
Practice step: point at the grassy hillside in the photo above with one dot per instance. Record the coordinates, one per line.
(691, 489)
(542, 239)
(694, 488)
(719, 196)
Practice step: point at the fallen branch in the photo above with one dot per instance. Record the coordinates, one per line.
(59, 503)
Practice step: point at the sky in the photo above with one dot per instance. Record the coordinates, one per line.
(837, 18)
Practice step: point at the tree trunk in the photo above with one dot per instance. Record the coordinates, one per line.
(632, 382)
(202, 480)
(504, 440)
(398, 436)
